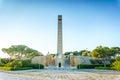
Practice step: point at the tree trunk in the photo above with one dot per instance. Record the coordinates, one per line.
(104, 62)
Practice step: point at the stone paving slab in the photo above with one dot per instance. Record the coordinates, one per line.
(59, 75)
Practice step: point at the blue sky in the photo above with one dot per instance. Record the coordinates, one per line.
(86, 24)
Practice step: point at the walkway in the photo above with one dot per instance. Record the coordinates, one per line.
(59, 75)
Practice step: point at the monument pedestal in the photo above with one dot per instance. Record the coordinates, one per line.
(59, 61)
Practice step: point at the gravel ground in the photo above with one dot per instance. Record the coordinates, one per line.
(83, 74)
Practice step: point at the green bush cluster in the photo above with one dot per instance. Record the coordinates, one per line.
(90, 66)
(116, 64)
(21, 65)
(1, 65)
(4, 60)
(15, 63)
(25, 63)
(37, 66)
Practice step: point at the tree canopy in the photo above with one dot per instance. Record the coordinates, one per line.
(21, 51)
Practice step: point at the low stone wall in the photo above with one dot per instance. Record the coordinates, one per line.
(39, 60)
(75, 60)
(48, 60)
(45, 60)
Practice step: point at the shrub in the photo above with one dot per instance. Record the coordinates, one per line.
(4, 60)
(37, 66)
(112, 60)
(1, 65)
(90, 66)
(21, 65)
(6, 68)
(15, 63)
(26, 62)
(104, 68)
(116, 65)
(117, 58)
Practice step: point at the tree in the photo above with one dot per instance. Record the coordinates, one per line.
(114, 51)
(76, 53)
(85, 53)
(101, 52)
(67, 53)
(20, 51)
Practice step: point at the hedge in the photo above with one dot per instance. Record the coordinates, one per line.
(90, 66)
(37, 66)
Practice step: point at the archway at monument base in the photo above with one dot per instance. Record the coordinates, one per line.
(59, 64)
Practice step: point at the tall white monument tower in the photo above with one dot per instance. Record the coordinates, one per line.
(59, 36)
(60, 56)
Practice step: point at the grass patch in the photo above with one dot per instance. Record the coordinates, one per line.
(104, 68)
(15, 68)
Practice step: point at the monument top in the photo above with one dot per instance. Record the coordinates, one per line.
(59, 17)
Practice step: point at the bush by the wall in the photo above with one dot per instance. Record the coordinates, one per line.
(116, 65)
(6, 68)
(90, 66)
(26, 62)
(1, 65)
(4, 60)
(15, 63)
(21, 65)
(37, 66)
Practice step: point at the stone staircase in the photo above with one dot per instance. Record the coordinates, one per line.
(66, 65)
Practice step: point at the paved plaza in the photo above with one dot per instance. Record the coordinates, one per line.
(60, 74)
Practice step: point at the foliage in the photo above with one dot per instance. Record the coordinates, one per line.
(15, 63)
(96, 61)
(37, 66)
(101, 52)
(117, 58)
(82, 52)
(75, 53)
(21, 65)
(26, 62)
(53, 55)
(116, 65)
(85, 53)
(89, 66)
(114, 51)
(67, 53)
(20, 51)
(5, 60)
(1, 65)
